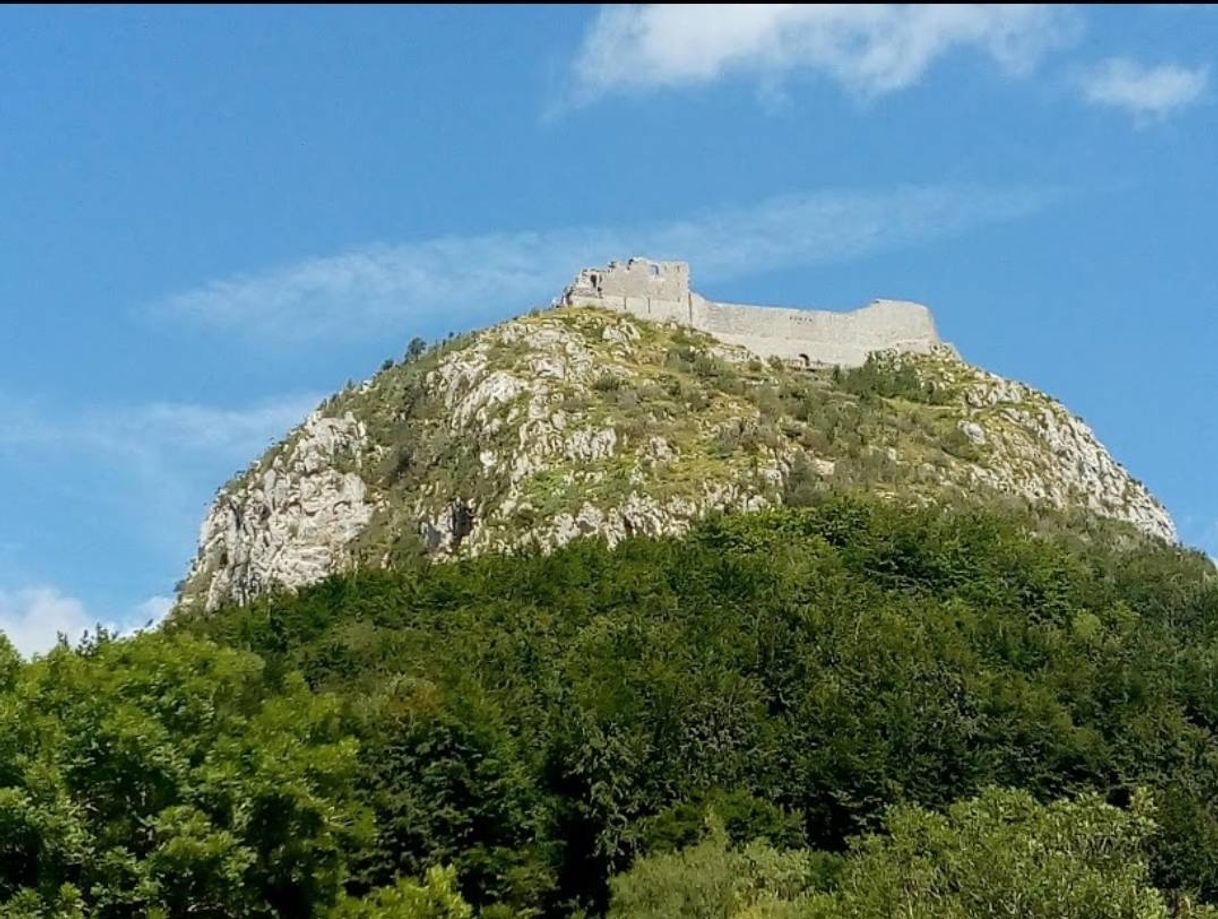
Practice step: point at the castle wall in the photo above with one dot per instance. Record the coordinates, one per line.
(820, 336)
(659, 291)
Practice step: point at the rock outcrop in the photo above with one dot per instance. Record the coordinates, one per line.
(580, 421)
(293, 518)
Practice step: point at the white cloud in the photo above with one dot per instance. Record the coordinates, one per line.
(372, 291)
(34, 617)
(1145, 91)
(868, 49)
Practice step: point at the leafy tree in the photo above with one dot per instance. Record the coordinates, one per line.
(999, 854)
(1002, 854)
(435, 898)
(712, 880)
(451, 787)
(168, 775)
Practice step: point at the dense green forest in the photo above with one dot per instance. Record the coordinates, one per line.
(850, 709)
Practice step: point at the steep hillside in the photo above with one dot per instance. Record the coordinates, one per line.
(581, 421)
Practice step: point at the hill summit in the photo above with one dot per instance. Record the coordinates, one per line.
(635, 406)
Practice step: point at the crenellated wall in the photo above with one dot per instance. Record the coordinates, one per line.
(660, 291)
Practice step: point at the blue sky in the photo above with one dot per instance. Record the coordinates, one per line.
(210, 218)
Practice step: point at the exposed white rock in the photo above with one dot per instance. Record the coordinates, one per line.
(973, 431)
(590, 444)
(623, 333)
(660, 450)
(290, 523)
(1042, 451)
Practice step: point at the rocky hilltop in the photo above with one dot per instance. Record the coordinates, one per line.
(580, 421)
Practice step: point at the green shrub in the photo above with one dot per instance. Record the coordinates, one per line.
(1002, 854)
(999, 854)
(885, 376)
(712, 880)
(435, 898)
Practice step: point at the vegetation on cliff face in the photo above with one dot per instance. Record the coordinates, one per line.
(820, 703)
(579, 422)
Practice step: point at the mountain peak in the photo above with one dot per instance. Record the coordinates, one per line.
(586, 420)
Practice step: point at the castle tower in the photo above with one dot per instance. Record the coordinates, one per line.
(643, 278)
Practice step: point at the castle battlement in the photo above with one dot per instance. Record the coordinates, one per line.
(660, 291)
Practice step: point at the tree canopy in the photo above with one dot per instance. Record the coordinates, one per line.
(504, 736)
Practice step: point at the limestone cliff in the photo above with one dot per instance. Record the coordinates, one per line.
(581, 421)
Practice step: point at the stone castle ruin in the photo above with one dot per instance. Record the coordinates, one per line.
(660, 291)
